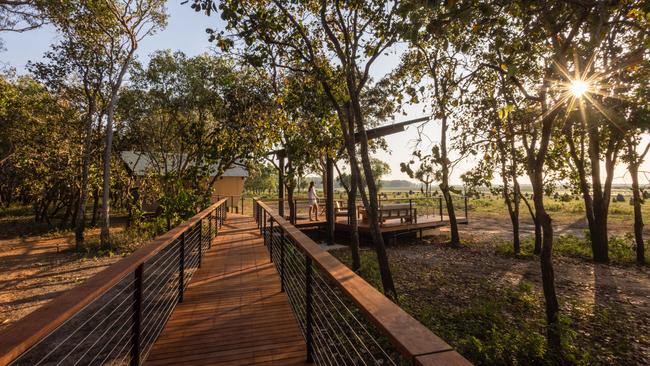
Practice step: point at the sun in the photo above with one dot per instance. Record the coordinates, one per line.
(578, 88)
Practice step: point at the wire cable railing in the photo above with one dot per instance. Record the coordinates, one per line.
(343, 319)
(116, 317)
(412, 208)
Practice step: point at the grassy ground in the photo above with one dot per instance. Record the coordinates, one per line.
(490, 307)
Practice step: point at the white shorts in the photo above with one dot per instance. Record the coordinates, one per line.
(313, 201)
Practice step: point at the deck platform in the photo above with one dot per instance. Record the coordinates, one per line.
(389, 226)
(233, 312)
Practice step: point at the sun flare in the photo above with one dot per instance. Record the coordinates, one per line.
(579, 88)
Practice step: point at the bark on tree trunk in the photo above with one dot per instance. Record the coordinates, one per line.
(354, 224)
(80, 224)
(548, 275)
(638, 215)
(106, 222)
(93, 221)
(292, 204)
(106, 185)
(444, 185)
(372, 204)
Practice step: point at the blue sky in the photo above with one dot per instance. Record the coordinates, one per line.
(186, 32)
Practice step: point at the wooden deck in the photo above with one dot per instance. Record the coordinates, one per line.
(233, 312)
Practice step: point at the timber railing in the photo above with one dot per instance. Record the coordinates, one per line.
(433, 207)
(344, 320)
(116, 316)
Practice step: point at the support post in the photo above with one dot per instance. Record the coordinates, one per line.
(137, 316)
(271, 239)
(264, 228)
(181, 269)
(200, 242)
(309, 309)
(210, 230)
(281, 184)
(329, 206)
(440, 204)
(282, 245)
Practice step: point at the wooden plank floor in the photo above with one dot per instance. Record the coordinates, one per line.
(233, 312)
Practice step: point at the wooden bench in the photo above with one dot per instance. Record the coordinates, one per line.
(339, 209)
(406, 212)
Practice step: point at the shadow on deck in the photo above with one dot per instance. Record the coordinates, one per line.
(233, 312)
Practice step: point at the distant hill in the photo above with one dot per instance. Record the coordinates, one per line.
(399, 183)
(392, 184)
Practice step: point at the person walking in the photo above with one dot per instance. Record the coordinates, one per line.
(313, 201)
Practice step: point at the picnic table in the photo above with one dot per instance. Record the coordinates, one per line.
(406, 212)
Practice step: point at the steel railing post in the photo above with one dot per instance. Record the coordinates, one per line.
(242, 205)
(309, 309)
(271, 239)
(264, 227)
(210, 230)
(137, 316)
(282, 245)
(181, 268)
(200, 242)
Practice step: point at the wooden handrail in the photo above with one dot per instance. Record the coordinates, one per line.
(26, 332)
(412, 339)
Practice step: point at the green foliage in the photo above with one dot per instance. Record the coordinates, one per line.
(262, 178)
(179, 206)
(499, 326)
(621, 249)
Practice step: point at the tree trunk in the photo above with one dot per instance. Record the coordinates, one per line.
(292, 204)
(93, 221)
(598, 232)
(371, 203)
(514, 219)
(638, 215)
(80, 224)
(106, 185)
(546, 263)
(444, 185)
(354, 223)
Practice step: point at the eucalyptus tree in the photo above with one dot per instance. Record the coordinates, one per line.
(635, 148)
(123, 23)
(77, 65)
(595, 124)
(437, 66)
(530, 44)
(634, 160)
(331, 41)
(41, 128)
(489, 130)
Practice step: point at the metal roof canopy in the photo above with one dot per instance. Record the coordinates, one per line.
(377, 132)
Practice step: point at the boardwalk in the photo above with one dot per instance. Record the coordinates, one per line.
(233, 312)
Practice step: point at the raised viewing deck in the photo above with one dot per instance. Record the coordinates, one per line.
(225, 289)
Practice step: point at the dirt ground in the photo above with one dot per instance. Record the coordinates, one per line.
(498, 225)
(37, 268)
(588, 292)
